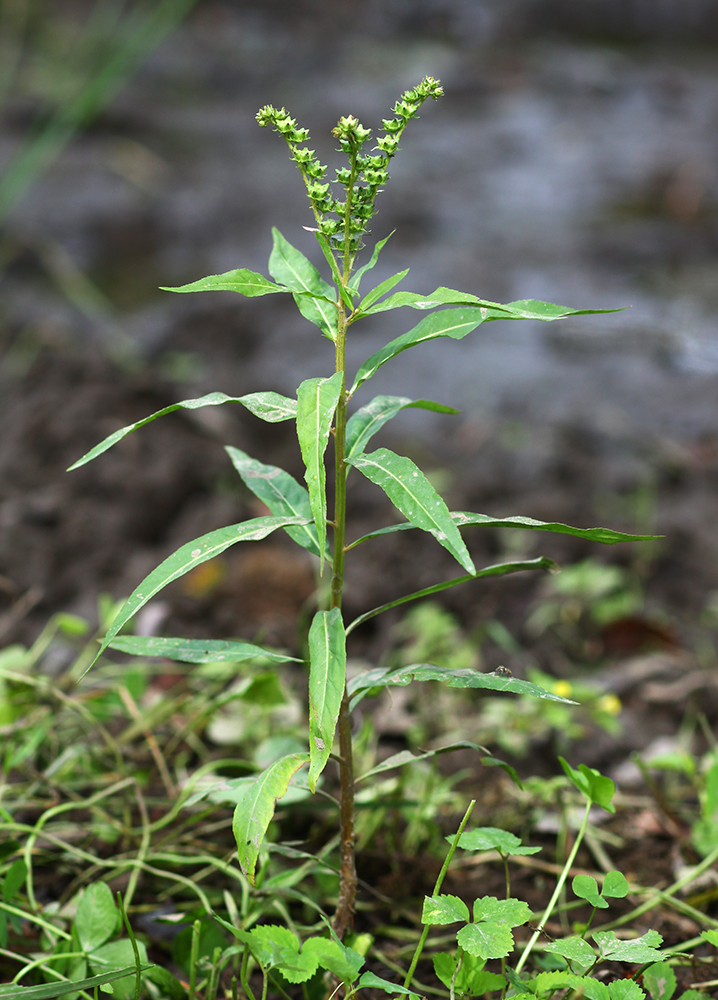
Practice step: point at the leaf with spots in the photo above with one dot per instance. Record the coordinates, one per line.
(255, 809)
(241, 280)
(269, 406)
(281, 493)
(185, 559)
(317, 400)
(411, 492)
(327, 677)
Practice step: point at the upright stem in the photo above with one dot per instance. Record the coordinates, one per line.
(347, 866)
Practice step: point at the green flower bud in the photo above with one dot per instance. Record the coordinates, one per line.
(392, 125)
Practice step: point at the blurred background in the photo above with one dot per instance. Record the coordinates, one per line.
(574, 158)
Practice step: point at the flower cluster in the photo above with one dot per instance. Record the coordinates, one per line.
(344, 221)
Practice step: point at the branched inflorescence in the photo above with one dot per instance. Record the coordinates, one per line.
(344, 222)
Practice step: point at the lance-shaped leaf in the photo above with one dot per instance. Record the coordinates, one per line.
(290, 267)
(255, 809)
(523, 309)
(186, 558)
(381, 289)
(317, 400)
(606, 536)
(269, 406)
(327, 677)
(411, 492)
(439, 297)
(244, 282)
(356, 279)
(407, 757)
(364, 424)
(454, 323)
(500, 569)
(281, 493)
(458, 677)
(197, 650)
(372, 981)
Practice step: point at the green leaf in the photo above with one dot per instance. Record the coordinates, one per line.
(471, 980)
(327, 677)
(591, 783)
(455, 323)
(574, 949)
(603, 535)
(522, 309)
(317, 400)
(512, 912)
(486, 940)
(586, 887)
(548, 982)
(118, 954)
(52, 990)
(693, 995)
(269, 406)
(407, 757)
(290, 267)
(96, 917)
(241, 280)
(660, 981)
(197, 650)
(444, 909)
(356, 280)
(255, 810)
(614, 885)
(442, 297)
(711, 937)
(487, 838)
(411, 492)
(625, 989)
(381, 289)
(185, 559)
(16, 875)
(281, 493)
(639, 950)
(513, 774)
(335, 957)
(331, 261)
(455, 678)
(521, 986)
(363, 424)
(372, 981)
(500, 569)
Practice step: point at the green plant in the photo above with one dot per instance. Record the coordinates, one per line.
(320, 412)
